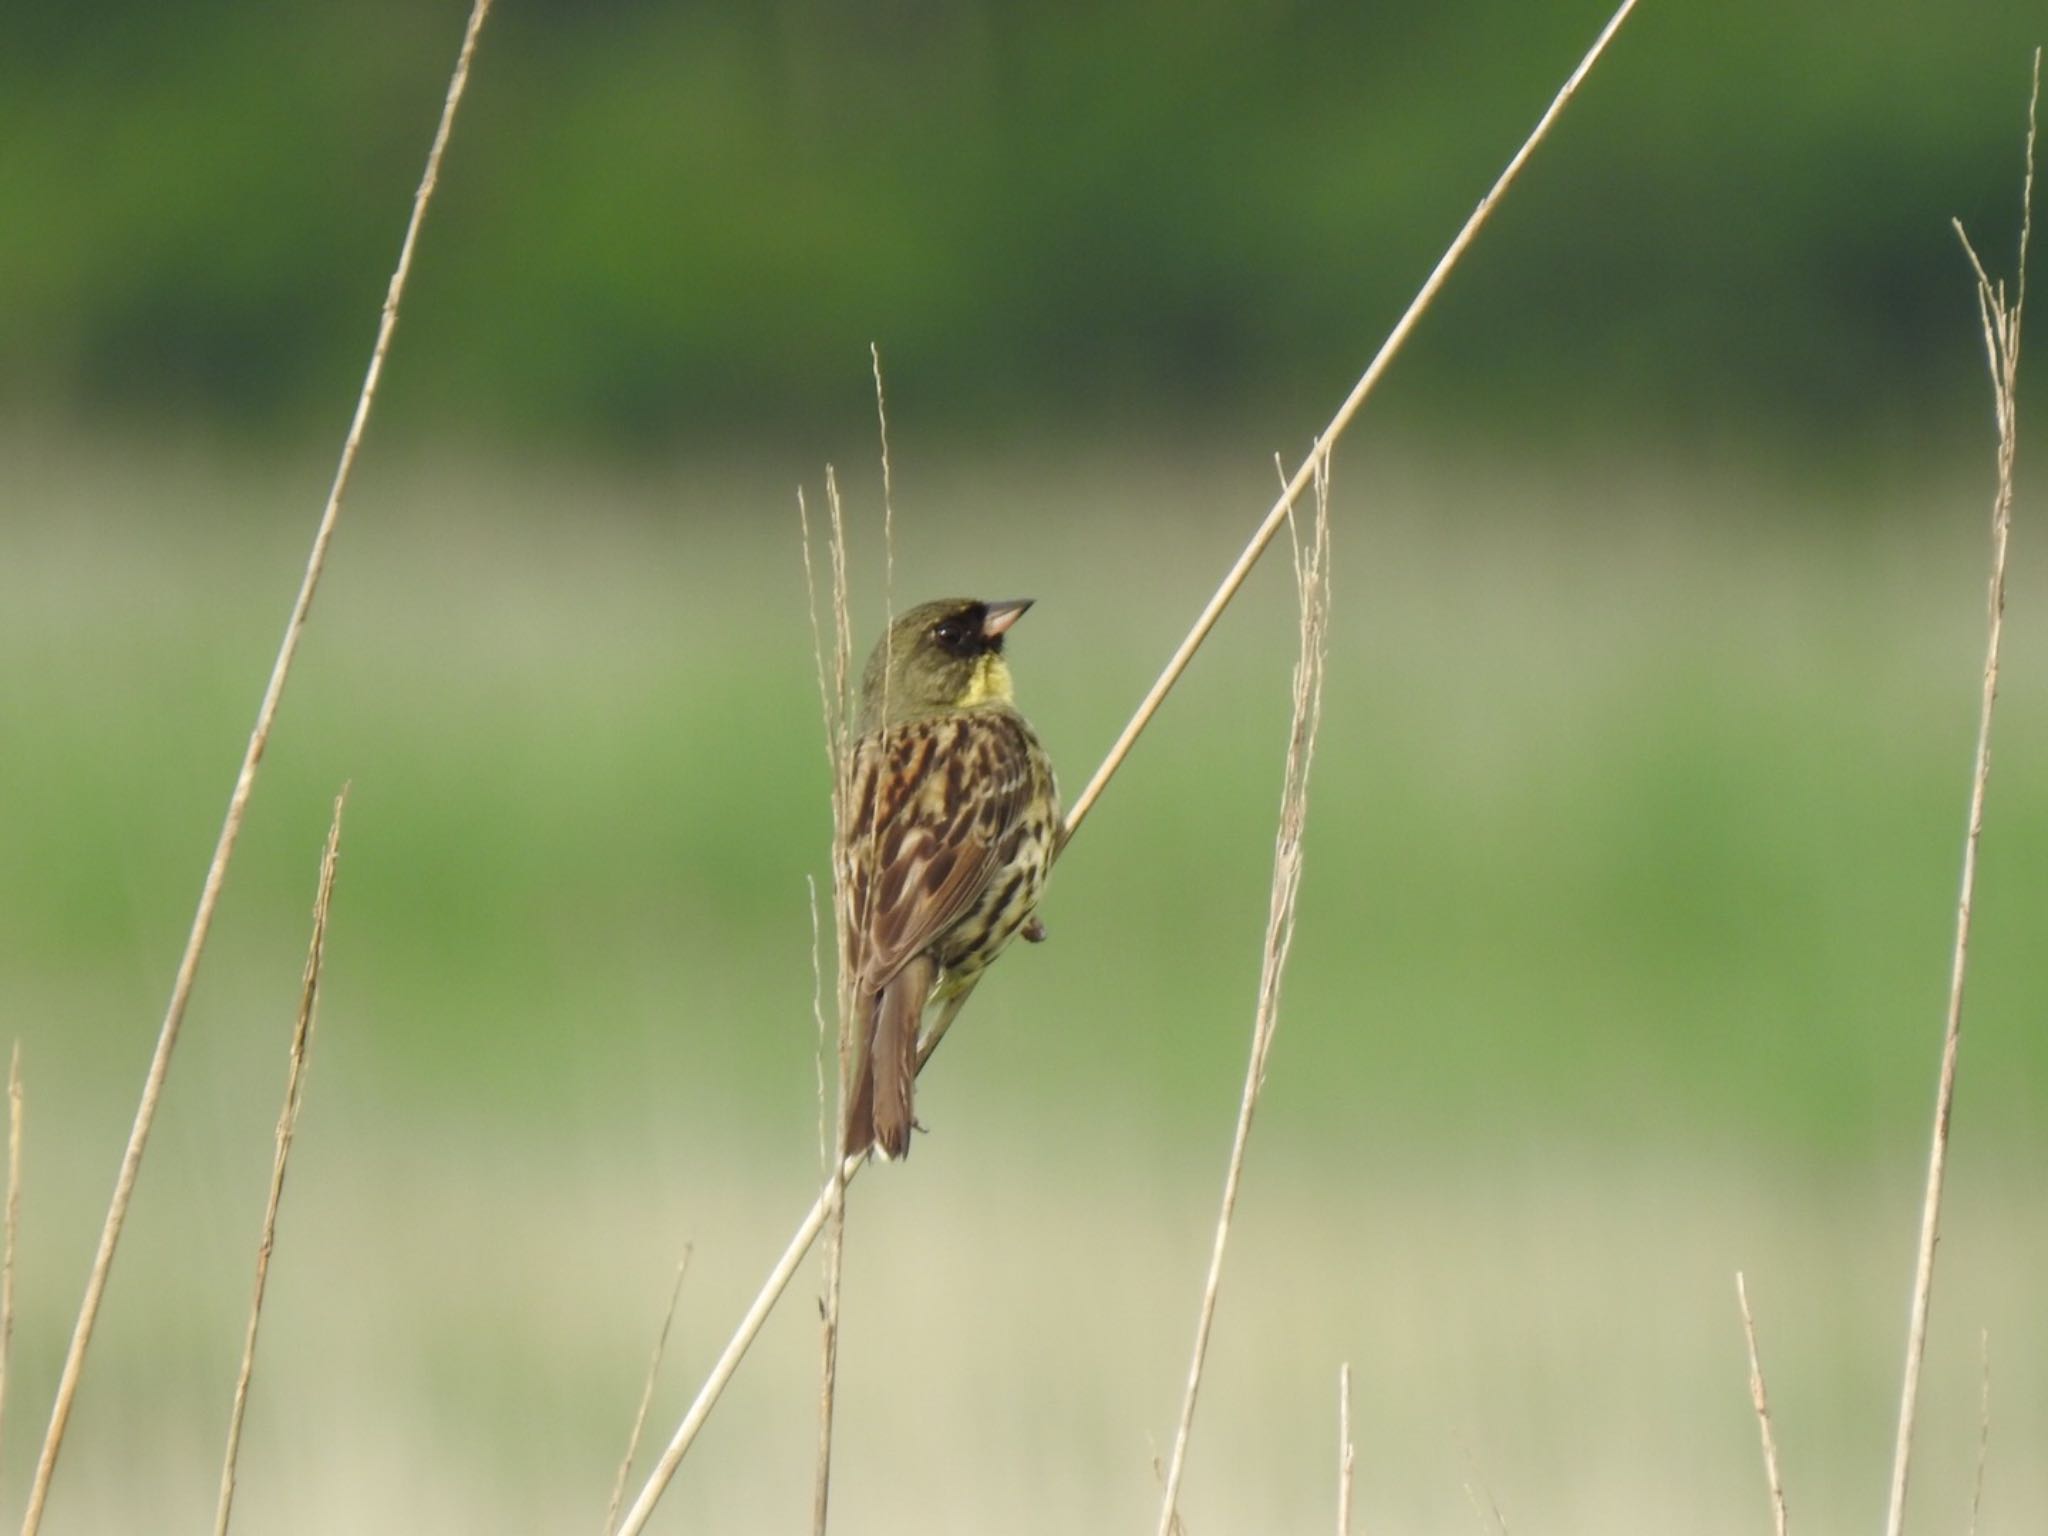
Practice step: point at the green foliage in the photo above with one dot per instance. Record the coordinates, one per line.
(666, 220)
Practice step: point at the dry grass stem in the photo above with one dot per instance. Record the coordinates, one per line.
(1347, 1454)
(1983, 1428)
(1303, 478)
(839, 733)
(835, 698)
(668, 1318)
(818, 1018)
(238, 801)
(828, 1359)
(13, 1237)
(814, 1220)
(735, 1351)
(1486, 1508)
(287, 1128)
(1761, 1403)
(1311, 576)
(2001, 322)
(1159, 1477)
(836, 708)
(838, 713)
(835, 1240)
(1327, 442)
(888, 494)
(827, 694)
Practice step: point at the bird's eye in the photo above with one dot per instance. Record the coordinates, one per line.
(951, 633)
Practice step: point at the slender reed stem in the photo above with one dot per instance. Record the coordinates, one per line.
(836, 708)
(1983, 1427)
(828, 1358)
(1327, 442)
(238, 802)
(831, 1132)
(1762, 1404)
(735, 1351)
(668, 1318)
(1311, 574)
(888, 495)
(2002, 352)
(1485, 1507)
(1347, 1454)
(287, 1128)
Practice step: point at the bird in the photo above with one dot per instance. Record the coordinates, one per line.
(951, 820)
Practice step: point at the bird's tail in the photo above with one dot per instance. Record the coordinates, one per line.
(879, 1112)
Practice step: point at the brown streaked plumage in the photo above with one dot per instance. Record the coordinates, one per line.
(951, 821)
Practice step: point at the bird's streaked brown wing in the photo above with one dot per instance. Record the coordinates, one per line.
(930, 813)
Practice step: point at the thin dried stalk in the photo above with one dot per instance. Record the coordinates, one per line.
(828, 697)
(238, 802)
(807, 1230)
(14, 1106)
(2002, 353)
(814, 1220)
(1485, 1507)
(1983, 1429)
(818, 1017)
(287, 1128)
(828, 1364)
(735, 1351)
(1761, 1403)
(888, 496)
(1327, 443)
(1159, 1477)
(835, 706)
(839, 713)
(675, 1295)
(1347, 1454)
(837, 709)
(1303, 478)
(1311, 568)
(835, 1246)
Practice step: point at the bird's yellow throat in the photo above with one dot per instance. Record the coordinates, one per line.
(989, 684)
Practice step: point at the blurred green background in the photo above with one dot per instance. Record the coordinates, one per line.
(1632, 849)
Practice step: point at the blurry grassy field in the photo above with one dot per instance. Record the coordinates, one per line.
(1624, 936)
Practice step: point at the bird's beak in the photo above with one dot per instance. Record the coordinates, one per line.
(1002, 615)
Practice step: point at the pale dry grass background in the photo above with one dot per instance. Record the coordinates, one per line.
(458, 1336)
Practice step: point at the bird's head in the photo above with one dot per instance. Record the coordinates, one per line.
(939, 656)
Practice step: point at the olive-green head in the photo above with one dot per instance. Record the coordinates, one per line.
(938, 657)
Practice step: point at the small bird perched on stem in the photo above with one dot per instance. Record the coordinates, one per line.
(953, 813)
